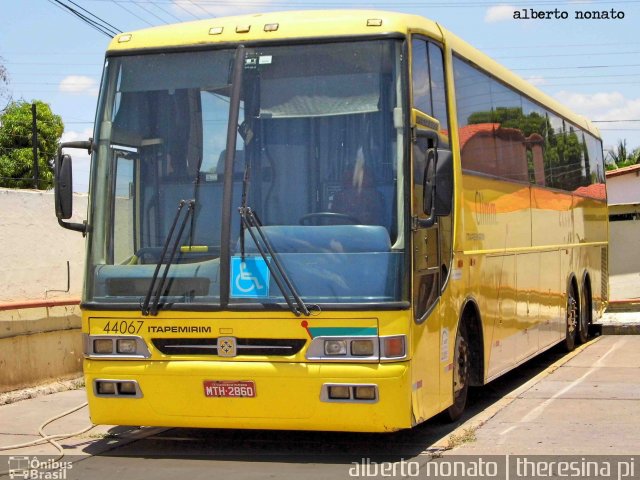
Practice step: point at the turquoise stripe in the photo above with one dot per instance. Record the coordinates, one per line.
(342, 331)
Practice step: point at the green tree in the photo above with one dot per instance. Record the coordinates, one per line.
(16, 153)
(564, 152)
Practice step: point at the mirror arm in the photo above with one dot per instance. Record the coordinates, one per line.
(76, 227)
(83, 144)
(430, 221)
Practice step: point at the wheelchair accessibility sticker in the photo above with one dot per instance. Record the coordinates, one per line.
(249, 278)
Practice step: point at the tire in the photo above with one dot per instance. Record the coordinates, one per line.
(571, 320)
(461, 373)
(585, 314)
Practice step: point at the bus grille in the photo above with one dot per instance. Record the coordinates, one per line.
(245, 346)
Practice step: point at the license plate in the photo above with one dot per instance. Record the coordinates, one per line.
(229, 389)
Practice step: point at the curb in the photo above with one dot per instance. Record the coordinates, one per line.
(472, 424)
(623, 306)
(623, 329)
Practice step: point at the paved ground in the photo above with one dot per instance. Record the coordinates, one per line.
(584, 403)
(588, 406)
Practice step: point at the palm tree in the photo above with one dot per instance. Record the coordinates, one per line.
(622, 157)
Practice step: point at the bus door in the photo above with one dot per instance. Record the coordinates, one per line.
(431, 224)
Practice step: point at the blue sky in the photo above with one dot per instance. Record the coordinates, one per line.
(592, 66)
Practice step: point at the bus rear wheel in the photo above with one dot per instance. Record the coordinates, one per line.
(584, 314)
(461, 373)
(571, 320)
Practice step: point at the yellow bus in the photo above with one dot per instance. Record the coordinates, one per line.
(326, 220)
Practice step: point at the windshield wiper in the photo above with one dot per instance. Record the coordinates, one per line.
(251, 223)
(156, 291)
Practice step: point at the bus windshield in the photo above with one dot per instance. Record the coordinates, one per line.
(319, 160)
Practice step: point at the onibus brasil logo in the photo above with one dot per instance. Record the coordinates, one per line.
(33, 468)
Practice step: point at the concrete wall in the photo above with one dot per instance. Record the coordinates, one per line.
(35, 249)
(39, 345)
(40, 337)
(623, 189)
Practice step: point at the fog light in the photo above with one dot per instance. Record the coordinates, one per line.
(367, 392)
(126, 345)
(335, 347)
(127, 388)
(393, 347)
(339, 392)
(106, 388)
(103, 345)
(362, 348)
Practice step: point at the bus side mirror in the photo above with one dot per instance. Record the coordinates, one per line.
(437, 181)
(429, 182)
(63, 186)
(444, 184)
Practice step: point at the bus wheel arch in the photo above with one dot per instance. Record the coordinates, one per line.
(468, 358)
(572, 314)
(585, 317)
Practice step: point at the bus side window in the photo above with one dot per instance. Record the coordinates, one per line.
(429, 90)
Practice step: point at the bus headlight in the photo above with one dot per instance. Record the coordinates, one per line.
(335, 347)
(345, 349)
(106, 388)
(339, 392)
(116, 388)
(362, 348)
(126, 345)
(103, 346)
(349, 393)
(364, 392)
(115, 347)
(127, 388)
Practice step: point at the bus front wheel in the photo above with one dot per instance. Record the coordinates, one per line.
(461, 373)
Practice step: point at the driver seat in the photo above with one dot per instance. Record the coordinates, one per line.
(359, 197)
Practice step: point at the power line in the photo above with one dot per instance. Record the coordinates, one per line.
(584, 54)
(119, 3)
(114, 29)
(168, 13)
(565, 67)
(150, 12)
(470, 3)
(615, 121)
(96, 22)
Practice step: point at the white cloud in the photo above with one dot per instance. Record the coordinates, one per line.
(72, 136)
(233, 7)
(499, 13)
(79, 84)
(600, 106)
(607, 106)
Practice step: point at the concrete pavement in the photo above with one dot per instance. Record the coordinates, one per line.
(588, 405)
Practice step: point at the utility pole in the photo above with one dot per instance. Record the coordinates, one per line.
(34, 143)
